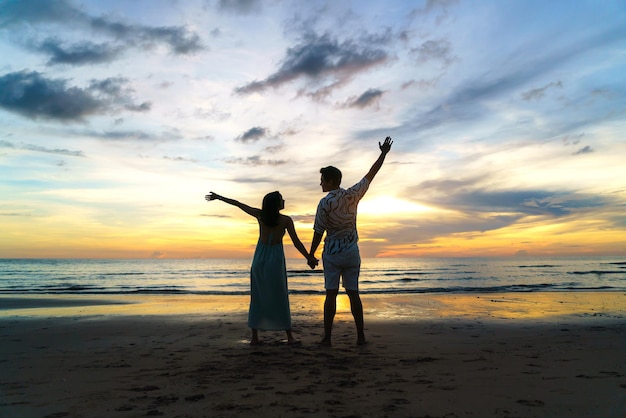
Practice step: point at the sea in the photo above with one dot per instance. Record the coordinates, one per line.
(378, 275)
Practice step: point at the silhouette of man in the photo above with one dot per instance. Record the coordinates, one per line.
(336, 215)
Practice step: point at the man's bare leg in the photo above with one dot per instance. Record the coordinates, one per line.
(356, 307)
(330, 308)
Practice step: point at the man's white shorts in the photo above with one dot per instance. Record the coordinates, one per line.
(346, 264)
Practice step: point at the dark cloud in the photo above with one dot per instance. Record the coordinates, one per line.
(243, 7)
(143, 107)
(427, 230)
(78, 54)
(34, 96)
(584, 150)
(17, 15)
(319, 58)
(467, 196)
(179, 40)
(370, 97)
(15, 12)
(252, 135)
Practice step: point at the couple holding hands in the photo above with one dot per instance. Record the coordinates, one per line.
(335, 216)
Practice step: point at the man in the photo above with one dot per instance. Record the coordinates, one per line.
(336, 215)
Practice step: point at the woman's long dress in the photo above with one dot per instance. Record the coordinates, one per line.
(269, 299)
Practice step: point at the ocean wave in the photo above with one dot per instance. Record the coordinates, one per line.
(546, 266)
(373, 291)
(378, 276)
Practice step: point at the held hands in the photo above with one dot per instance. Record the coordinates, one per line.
(385, 147)
(312, 261)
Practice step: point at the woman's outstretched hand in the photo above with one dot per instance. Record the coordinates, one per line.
(212, 196)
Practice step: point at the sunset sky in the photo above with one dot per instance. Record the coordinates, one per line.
(117, 117)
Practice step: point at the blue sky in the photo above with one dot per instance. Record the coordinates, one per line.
(118, 117)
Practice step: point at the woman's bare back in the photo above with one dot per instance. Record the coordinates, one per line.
(276, 232)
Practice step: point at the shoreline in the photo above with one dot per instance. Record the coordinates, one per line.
(497, 355)
(416, 306)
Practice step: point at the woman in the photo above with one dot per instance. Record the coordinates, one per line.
(269, 300)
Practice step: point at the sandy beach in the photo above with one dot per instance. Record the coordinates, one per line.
(491, 355)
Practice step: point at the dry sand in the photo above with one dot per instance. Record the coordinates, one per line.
(513, 355)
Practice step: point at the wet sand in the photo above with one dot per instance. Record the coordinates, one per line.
(496, 355)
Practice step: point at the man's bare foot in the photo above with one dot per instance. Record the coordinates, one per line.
(294, 342)
(325, 342)
(256, 342)
(361, 341)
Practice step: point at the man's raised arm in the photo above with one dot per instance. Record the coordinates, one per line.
(385, 147)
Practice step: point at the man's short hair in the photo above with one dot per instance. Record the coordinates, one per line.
(331, 174)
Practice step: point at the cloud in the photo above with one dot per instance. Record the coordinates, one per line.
(306, 218)
(22, 15)
(434, 50)
(243, 7)
(253, 180)
(38, 148)
(572, 139)
(15, 12)
(255, 160)
(321, 58)
(584, 150)
(133, 135)
(252, 135)
(32, 95)
(211, 113)
(538, 93)
(180, 159)
(438, 8)
(472, 100)
(370, 97)
(179, 39)
(78, 54)
(469, 197)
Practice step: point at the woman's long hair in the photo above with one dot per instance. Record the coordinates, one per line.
(272, 204)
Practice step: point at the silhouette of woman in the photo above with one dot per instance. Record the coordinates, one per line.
(269, 299)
